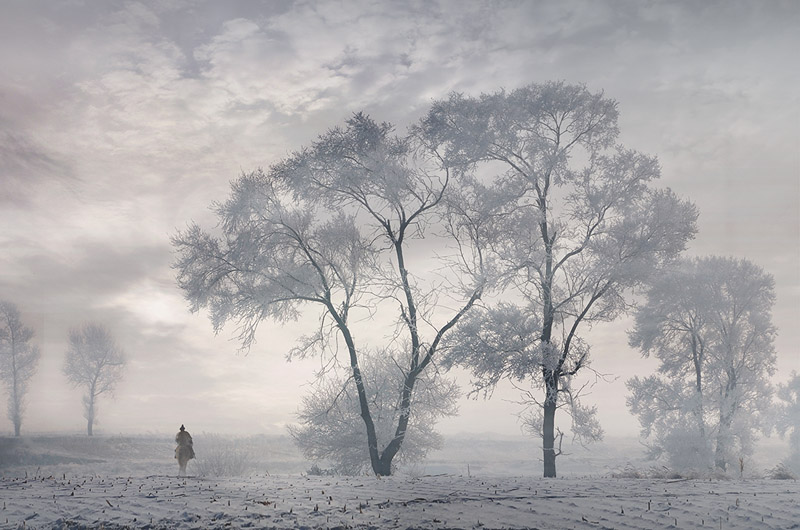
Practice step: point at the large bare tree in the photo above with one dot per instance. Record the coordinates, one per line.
(18, 360)
(369, 229)
(583, 224)
(94, 362)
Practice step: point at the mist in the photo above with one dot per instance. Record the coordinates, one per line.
(124, 125)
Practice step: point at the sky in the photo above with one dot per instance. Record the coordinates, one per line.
(121, 122)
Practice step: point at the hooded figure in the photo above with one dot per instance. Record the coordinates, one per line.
(184, 452)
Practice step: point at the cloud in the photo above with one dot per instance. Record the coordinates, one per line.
(24, 165)
(78, 280)
(122, 121)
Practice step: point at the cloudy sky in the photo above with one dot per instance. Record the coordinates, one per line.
(122, 121)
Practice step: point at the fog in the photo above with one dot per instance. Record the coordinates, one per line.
(120, 123)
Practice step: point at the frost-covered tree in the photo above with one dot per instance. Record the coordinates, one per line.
(339, 227)
(672, 326)
(708, 321)
(583, 223)
(789, 418)
(93, 362)
(668, 411)
(18, 360)
(331, 427)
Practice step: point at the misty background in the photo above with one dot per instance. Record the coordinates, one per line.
(122, 121)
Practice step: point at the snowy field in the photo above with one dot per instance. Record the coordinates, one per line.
(445, 501)
(116, 482)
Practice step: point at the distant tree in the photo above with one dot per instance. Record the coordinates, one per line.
(708, 321)
(669, 413)
(334, 227)
(332, 429)
(789, 418)
(582, 225)
(18, 360)
(95, 363)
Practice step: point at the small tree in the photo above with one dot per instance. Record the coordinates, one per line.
(333, 227)
(582, 225)
(95, 362)
(18, 360)
(789, 418)
(332, 429)
(708, 322)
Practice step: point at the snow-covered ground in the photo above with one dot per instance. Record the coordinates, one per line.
(73, 482)
(444, 501)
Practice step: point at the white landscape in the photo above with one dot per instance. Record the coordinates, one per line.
(132, 482)
(408, 264)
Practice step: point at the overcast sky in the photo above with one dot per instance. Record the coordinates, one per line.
(122, 121)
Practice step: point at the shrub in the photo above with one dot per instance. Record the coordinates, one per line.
(317, 471)
(655, 472)
(781, 472)
(220, 457)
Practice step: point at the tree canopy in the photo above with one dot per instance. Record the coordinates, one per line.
(788, 420)
(526, 190)
(708, 321)
(582, 224)
(339, 226)
(94, 362)
(18, 360)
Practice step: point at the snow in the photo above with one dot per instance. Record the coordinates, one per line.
(443, 501)
(52, 484)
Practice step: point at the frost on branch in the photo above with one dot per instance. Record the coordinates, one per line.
(708, 321)
(495, 343)
(667, 412)
(789, 419)
(331, 228)
(582, 224)
(331, 428)
(273, 256)
(18, 361)
(95, 363)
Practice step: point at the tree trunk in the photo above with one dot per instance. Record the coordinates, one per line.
(550, 378)
(16, 410)
(366, 415)
(697, 359)
(384, 467)
(549, 426)
(16, 398)
(548, 441)
(726, 413)
(723, 443)
(391, 450)
(723, 435)
(90, 416)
